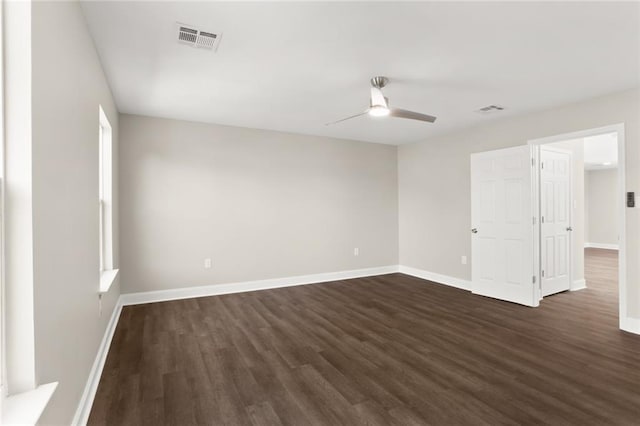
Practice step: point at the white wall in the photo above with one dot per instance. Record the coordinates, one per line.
(602, 212)
(67, 86)
(434, 182)
(260, 204)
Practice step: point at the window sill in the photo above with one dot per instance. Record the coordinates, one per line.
(26, 408)
(106, 279)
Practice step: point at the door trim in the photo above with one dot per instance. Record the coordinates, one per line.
(624, 322)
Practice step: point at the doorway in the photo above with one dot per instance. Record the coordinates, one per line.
(594, 181)
(523, 198)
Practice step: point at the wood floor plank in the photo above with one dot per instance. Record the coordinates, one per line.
(386, 350)
(263, 415)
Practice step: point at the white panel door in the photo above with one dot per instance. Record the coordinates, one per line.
(502, 225)
(555, 220)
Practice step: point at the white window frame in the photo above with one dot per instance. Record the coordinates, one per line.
(22, 401)
(3, 371)
(105, 202)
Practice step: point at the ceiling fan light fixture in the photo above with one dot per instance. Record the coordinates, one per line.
(379, 106)
(378, 111)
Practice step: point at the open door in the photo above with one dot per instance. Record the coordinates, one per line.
(502, 244)
(555, 220)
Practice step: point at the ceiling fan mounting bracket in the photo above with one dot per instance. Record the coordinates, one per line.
(379, 82)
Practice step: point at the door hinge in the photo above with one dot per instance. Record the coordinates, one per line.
(533, 279)
(542, 165)
(533, 162)
(542, 219)
(543, 273)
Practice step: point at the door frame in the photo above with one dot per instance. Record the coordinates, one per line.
(622, 225)
(537, 208)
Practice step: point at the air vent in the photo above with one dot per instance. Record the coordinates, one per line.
(195, 38)
(187, 35)
(490, 109)
(206, 40)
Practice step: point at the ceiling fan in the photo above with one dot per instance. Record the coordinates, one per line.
(379, 106)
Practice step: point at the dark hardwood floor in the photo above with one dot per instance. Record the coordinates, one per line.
(601, 272)
(375, 351)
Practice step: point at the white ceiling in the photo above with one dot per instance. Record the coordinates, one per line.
(601, 152)
(295, 66)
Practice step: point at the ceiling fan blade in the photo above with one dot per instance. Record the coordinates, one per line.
(403, 113)
(348, 118)
(377, 98)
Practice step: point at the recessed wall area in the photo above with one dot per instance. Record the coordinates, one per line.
(602, 208)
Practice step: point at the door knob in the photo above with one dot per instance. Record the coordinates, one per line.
(474, 231)
(569, 228)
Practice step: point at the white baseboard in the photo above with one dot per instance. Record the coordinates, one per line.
(437, 278)
(632, 325)
(86, 401)
(578, 285)
(601, 246)
(239, 287)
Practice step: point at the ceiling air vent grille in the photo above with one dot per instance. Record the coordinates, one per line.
(489, 109)
(187, 35)
(195, 38)
(206, 40)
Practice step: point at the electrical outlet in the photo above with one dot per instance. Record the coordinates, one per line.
(207, 263)
(356, 251)
(463, 260)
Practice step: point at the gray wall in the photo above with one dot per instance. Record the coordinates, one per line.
(434, 182)
(602, 212)
(68, 85)
(260, 204)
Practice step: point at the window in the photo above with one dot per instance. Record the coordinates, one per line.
(105, 203)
